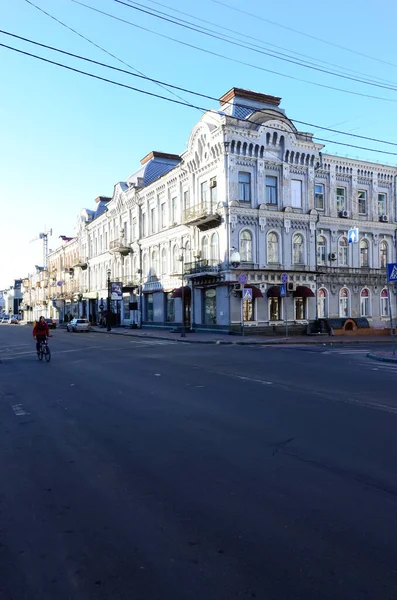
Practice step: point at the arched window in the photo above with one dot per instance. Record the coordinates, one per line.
(344, 303)
(204, 248)
(321, 250)
(383, 254)
(145, 266)
(273, 255)
(155, 263)
(297, 249)
(215, 247)
(246, 246)
(322, 303)
(343, 252)
(365, 304)
(164, 261)
(188, 254)
(175, 259)
(364, 254)
(384, 303)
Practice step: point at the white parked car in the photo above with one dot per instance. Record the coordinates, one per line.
(78, 325)
(5, 319)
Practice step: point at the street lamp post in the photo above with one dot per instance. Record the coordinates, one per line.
(108, 303)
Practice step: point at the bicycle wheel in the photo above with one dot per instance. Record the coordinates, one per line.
(47, 354)
(40, 354)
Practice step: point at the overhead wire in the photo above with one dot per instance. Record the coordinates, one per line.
(228, 58)
(158, 96)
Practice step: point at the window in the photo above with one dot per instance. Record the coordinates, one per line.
(382, 208)
(297, 249)
(365, 303)
(213, 191)
(134, 230)
(343, 252)
(296, 193)
(321, 250)
(204, 248)
(246, 246)
(215, 247)
(169, 307)
(344, 308)
(204, 192)
(143, 224)
(340, 199)
(384, 303)
(174, 209)
(362, 203)
(186, 200)
(164, 261)
(244, 186)
(322, 308)
(163, 215)
(155, 264)
(210, 306)
(153, 220)
(272, 248)
(145, 267)
(300, 309)
(364, 256)
(149, 307)
(175, 259)
(383, 254)
(275, 309)
(319, 196)
(271, 190)
(248, 310)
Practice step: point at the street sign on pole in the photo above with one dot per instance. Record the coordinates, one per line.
(392, 272)
(284, 277)
(352, 235)
(247, 294)
(242, 278)
(283, 291)
(391, 278)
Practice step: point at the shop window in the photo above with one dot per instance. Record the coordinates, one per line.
(275, 309)
(210, 306)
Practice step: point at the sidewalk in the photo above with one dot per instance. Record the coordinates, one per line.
(383, 356)
(222, 338)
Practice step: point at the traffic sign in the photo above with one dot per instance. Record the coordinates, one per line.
(284, 277)
(101, 306)
(247, 294)
(352, 235)
(283, 291)
(242, 278)
(392, 272)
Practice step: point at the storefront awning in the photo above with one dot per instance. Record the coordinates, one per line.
(274, 292)
(177, 293)
(256, 293)
(302, 291)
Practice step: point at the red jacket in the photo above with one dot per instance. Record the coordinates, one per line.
(41, 329)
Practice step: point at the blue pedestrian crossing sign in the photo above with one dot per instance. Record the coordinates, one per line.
(283, 291)
(352, 235)
(247, 294)
(392, 272)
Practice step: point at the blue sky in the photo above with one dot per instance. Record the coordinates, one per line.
(66, 138)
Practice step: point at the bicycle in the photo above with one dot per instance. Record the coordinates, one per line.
(44, 351)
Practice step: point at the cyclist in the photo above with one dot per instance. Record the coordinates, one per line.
(40, 332)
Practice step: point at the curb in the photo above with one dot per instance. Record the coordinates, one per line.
(381, 358)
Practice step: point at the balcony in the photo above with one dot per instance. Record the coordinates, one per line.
(199, 267)
(203, 216)
(119, 246)
(81, 264)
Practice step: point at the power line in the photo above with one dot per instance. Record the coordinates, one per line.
(186, 90)
(212, 35)
(152, 94)
(308, 35)
(234, 60)
(96, 45)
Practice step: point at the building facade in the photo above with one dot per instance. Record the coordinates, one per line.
(251, 186)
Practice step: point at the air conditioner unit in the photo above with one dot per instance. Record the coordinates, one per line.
(291, 286)
(213, 183)
(332, 256)
(344, 214)
(237, 287)
(383, 218)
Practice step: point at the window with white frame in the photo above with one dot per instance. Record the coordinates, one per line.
(186, 200)
(164, 261)
(246, 246)
(296, 193)
(163, 215)
(384, 303)
(272, 248)
(244, 186)
(365, 305)
(175, 259)
(215, 247)
(213, 191)
(188, 253)
(321, 250)
(383, 251)
(145, 266)
(155, 264)
(343, 250)
(271, 190)
(153, 220)
(204, 192)
(174, 209)
(364, 253)
(322, 303)
(340, 199)
(344, 303)
(298, 249)
(275, 309)
(204, 248)
(319, 196)
(382, 204)
(143, 224)
(362, 202)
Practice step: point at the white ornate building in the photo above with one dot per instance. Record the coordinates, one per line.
(247, 182)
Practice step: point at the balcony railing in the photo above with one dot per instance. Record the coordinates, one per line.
(202, 215)
(205, 265)
(119, 246)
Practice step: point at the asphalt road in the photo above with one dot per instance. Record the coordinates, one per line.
(147, 470)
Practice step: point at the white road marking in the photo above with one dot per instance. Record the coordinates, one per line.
(19, 410)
